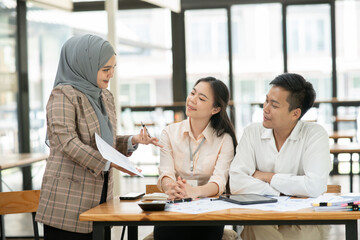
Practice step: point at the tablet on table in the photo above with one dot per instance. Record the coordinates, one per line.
(245, 199)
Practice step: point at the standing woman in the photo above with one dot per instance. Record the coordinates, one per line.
(197, 153)
(77, 177)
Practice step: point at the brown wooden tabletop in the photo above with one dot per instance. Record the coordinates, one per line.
(128, 213)
(17, 160)
(342, 134)
(116, 210)
(352, 147)
(20, 159)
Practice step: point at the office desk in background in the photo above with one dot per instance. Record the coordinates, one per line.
(20, 160)
(128, 213)
(349, 148)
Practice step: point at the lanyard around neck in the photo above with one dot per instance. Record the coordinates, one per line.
(192, 155)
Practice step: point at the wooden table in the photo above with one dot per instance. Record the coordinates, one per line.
(349, 134)
(128, 213)
(18, 160)
(350, 148)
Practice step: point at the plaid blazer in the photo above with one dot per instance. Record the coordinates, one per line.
(73, 178)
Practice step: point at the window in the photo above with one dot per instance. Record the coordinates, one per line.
(309, 44)
(258, 57)
(43, 34)
(206, 44)
(145, 57)
(8, 79)
(348, 49)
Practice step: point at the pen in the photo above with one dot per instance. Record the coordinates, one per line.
(145, 129)
(335, 209)
(180, 200)
(344, 209)
(350, 204)
(322, 204)
(352, 208)
(214, 199)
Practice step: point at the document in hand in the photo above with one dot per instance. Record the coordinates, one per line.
(114, 156)
(245, 199)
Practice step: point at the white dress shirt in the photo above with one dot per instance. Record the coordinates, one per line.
(301, 166)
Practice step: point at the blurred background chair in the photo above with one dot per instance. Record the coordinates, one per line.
(19, 202)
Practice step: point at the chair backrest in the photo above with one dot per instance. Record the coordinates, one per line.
(152, 188)
(333, 189)
(19, 202)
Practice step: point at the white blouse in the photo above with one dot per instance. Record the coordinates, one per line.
(210, 163)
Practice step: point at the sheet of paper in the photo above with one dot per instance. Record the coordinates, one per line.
(199, 206)
(114, 156)
(284, 203)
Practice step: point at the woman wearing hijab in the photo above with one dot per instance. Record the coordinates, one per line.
(77, 177)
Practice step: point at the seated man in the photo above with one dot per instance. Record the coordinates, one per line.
(283, 155)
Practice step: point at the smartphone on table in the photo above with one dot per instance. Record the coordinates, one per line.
(132, 196)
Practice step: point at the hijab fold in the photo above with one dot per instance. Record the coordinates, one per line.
(80, 60)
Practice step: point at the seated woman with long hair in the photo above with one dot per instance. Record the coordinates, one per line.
(197, 153)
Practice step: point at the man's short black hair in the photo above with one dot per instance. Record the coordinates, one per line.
(302, 94)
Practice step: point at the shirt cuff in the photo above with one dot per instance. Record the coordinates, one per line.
(107, 166)
(131, 147)
(219, 183)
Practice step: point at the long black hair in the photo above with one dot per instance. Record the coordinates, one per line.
(220, 121)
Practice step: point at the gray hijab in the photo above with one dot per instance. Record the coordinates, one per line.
(80, 60)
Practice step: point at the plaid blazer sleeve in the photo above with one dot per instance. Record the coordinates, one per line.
(122, 145)
(62, 120)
